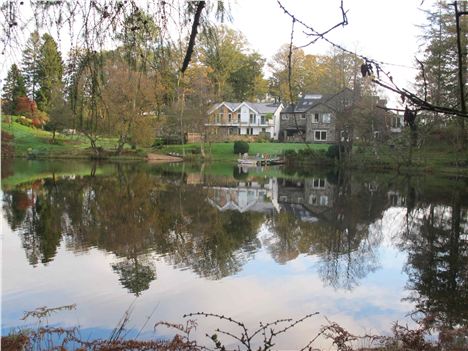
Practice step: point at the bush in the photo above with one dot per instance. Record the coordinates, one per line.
(334, 151)
(25, 121)
(158, 143)
(241, 147)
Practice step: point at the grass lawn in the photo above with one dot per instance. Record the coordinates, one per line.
(437, 157)
(225, 151)
(38, 141)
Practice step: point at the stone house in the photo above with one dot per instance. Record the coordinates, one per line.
(314, 118)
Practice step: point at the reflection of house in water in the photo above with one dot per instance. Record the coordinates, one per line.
(247, 196)
(314, 195)
(302, 197)
(396, 199)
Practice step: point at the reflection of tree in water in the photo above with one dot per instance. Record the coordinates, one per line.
(214, 244)
(33, 214)
(339, 235)
(130, 215)
(436, 240)
(136, 273)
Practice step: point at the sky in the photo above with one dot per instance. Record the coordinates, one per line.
(385, 30)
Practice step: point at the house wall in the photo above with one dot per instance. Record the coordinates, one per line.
(223, 112)
(219, 125)
(312, 126)
(275, 129)
(291, 121)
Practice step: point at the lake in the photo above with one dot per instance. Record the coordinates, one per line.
(161, 241)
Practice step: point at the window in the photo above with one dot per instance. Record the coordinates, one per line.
(303, 116)
(320, 135)
(262, 120)
(316, 118)
(312, 200)
(343, 136)
(323, 200)
(318, 183)
(229, 117)
(218, 118)
(396, 122)
(284, 117)
(252, 118)
(263, 130)
(326, 118)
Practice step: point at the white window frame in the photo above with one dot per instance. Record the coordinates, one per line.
(320, 138)
(252, 118)
(313, 199)
(285, 117)
(318, 183)
(326, 117)
(323, 200)
(316, 118)
(229, 117)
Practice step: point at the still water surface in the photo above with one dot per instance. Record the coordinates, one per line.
(364, 250)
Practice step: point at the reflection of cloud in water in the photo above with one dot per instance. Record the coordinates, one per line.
(283, 291)
(390, 226)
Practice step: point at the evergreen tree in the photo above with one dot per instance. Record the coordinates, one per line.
(30, 64)
(438, 81)
(13, 89)
(440, 57)
(50, 71)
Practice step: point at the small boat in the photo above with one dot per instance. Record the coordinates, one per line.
(247, 161)
(259, 161)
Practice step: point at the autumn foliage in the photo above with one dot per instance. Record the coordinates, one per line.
(25, 106)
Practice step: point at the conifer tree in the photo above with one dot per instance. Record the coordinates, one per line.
(13, 89)
(50, 71)
(30, 64)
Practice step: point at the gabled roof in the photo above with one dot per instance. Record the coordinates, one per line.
(232, 106)
(262, 108)
(310, 100)
(258, 107)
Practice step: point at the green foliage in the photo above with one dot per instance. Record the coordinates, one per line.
(241, 147)
(440, 55)
(13, 89)
(334, 151)
(30, 63)
(50, 71)
(234, 74)
(25, 121)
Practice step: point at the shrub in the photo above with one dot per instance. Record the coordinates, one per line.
(334, 151)
(241, 147)
(25, 121)
(158, 143)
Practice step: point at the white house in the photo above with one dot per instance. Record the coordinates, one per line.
(245, 118)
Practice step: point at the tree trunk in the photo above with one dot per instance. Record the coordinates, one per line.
(120, 145)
